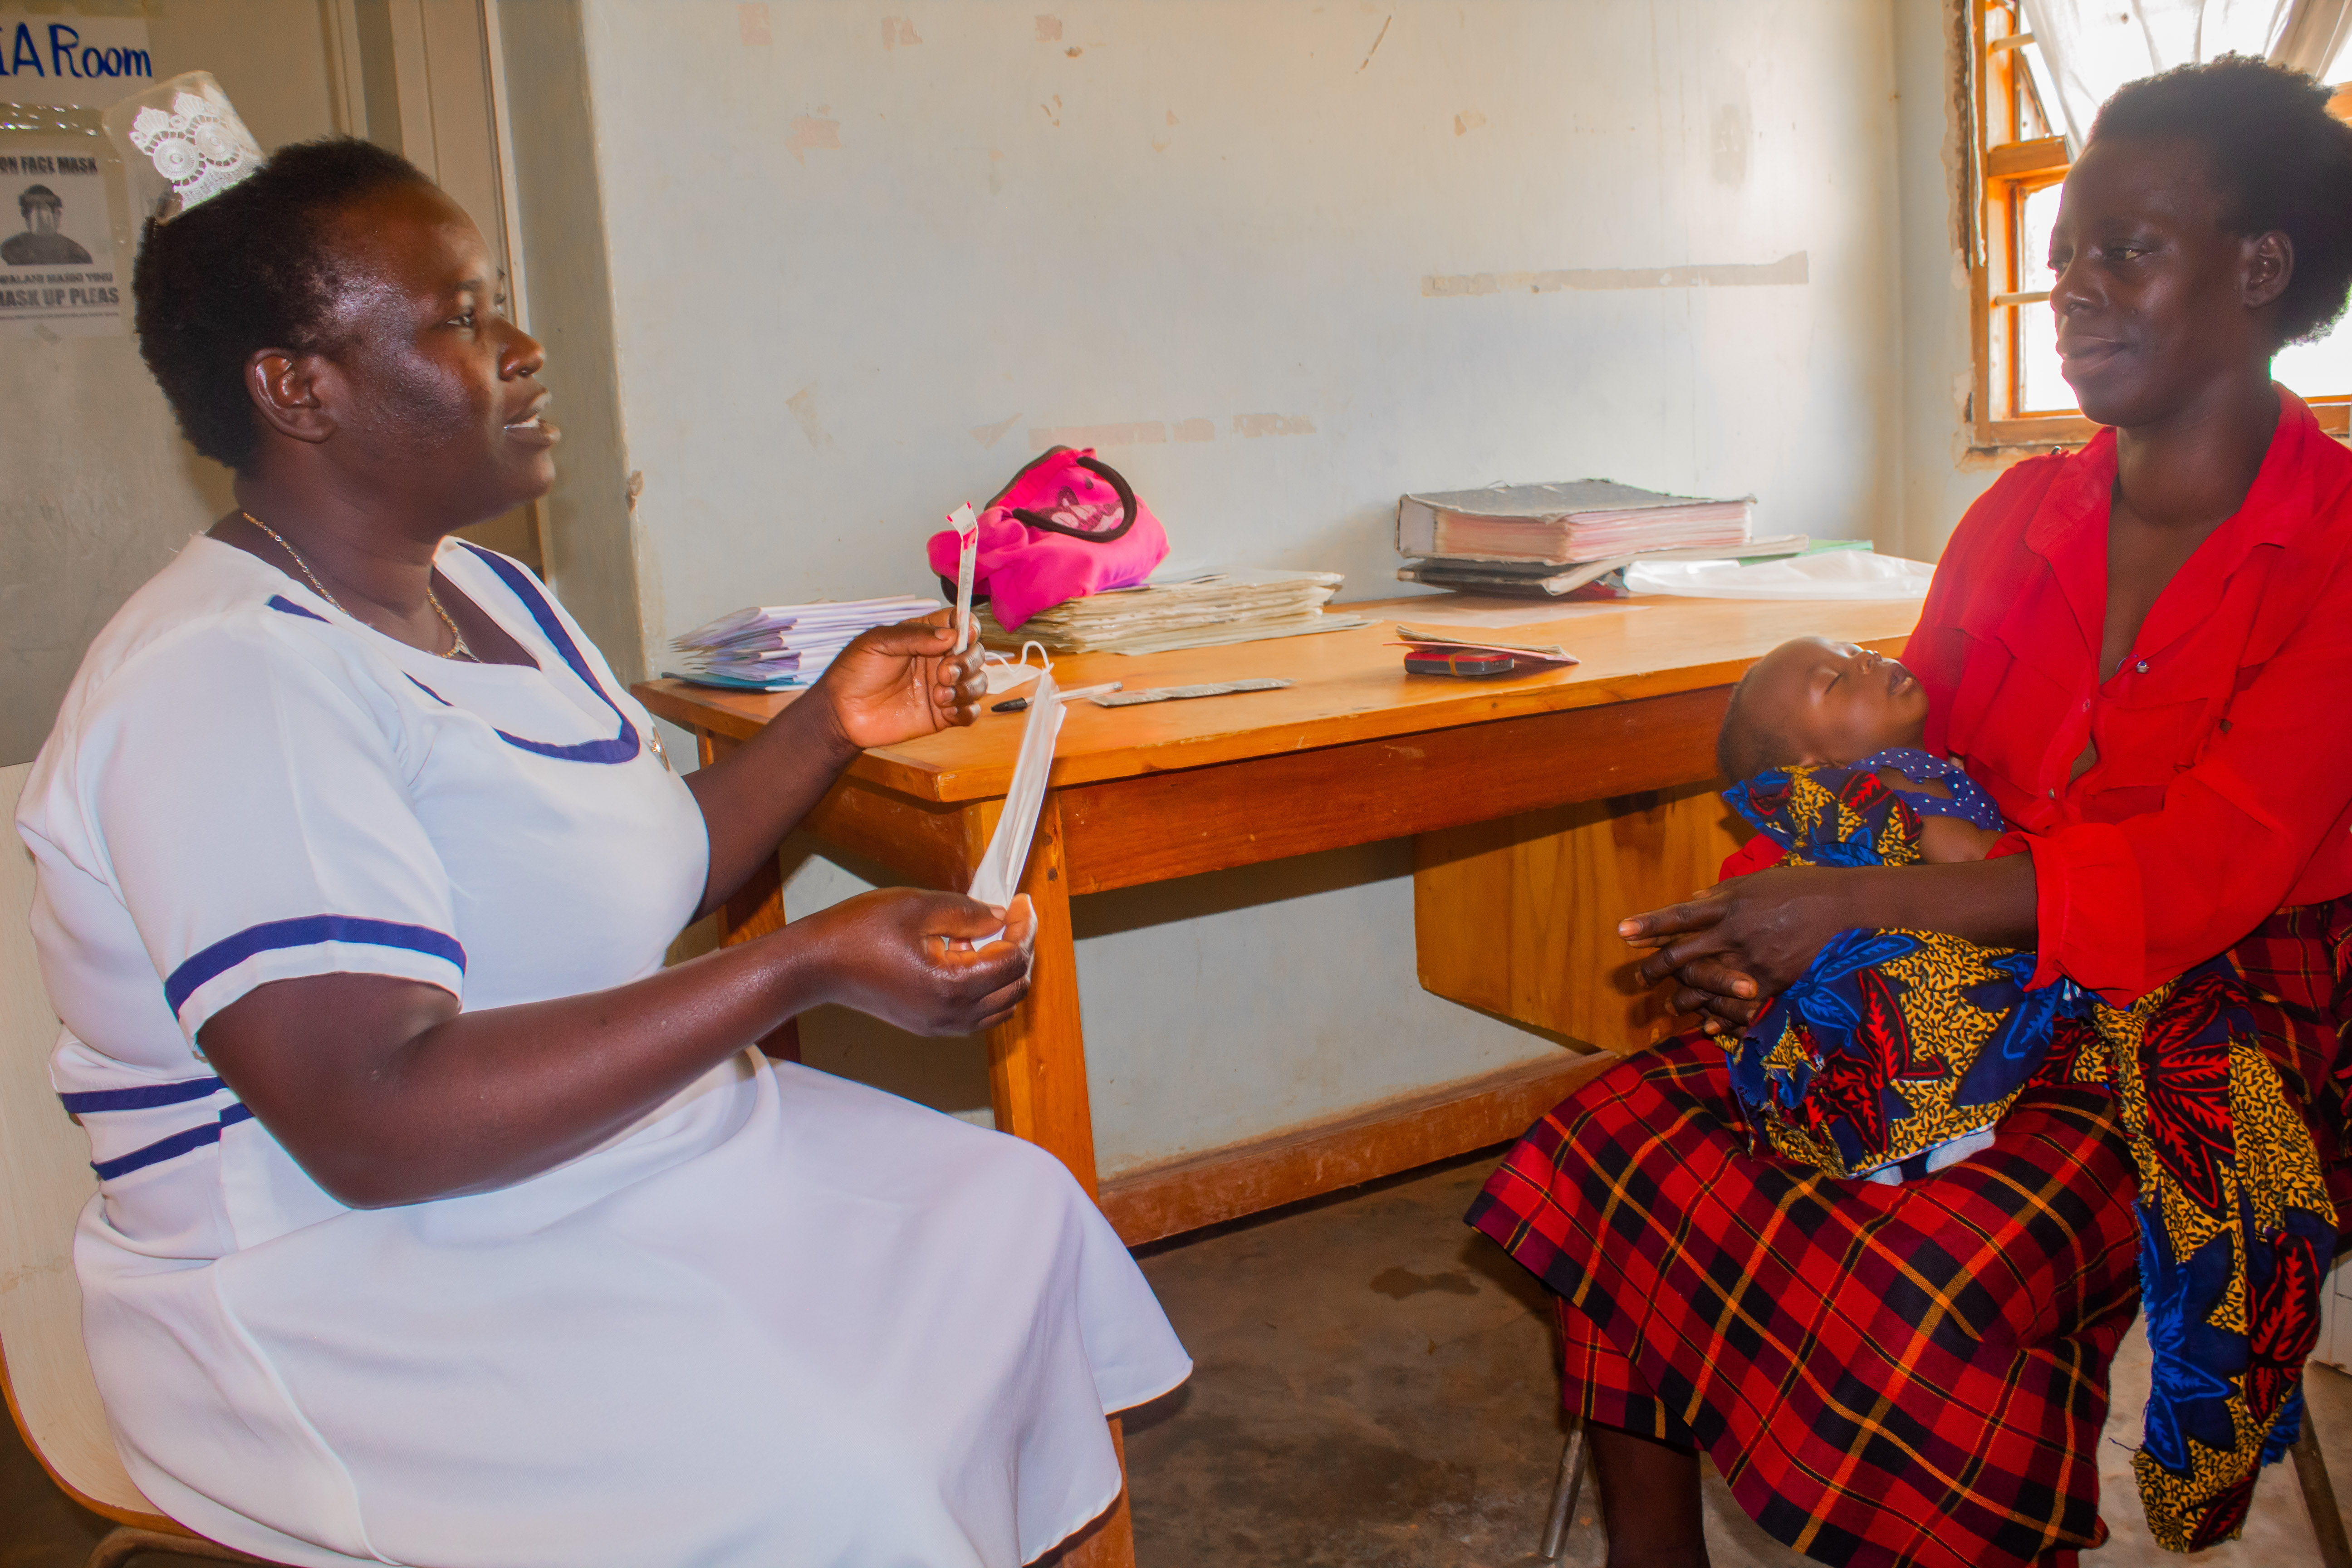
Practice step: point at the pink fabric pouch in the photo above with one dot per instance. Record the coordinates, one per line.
(1066, 526)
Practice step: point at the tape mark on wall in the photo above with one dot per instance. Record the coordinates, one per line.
(1156, 433)
(1790, 269)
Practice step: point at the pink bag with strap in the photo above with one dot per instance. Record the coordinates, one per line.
(1066, 526)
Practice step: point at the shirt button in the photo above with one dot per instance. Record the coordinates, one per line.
(2141, 667)
(2053, 794)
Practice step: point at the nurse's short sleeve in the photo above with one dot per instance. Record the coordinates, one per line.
(248, 789)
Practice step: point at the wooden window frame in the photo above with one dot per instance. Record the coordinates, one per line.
(2002, 169)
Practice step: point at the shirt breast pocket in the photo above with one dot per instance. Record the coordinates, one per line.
(2029, 705)
(2148, 744)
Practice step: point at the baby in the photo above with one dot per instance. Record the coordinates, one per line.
(1897, 1052)
(1816, 703)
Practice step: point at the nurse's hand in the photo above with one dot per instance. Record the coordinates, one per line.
(896, 683)
(905, 956)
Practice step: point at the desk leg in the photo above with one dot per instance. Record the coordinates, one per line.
(757, 909)
(1037, 1058)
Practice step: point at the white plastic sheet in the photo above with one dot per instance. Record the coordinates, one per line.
(1851, 575)
(999, 876)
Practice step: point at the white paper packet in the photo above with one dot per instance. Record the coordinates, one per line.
(999, 876)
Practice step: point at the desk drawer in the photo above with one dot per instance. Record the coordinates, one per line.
(1518, 917)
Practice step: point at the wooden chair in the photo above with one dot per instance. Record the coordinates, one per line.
(45, 1179)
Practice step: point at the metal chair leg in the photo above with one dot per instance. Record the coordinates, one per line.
(1564, 1490)
(2319, 1496)
(125, 1541)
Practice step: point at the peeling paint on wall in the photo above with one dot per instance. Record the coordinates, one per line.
(1196, 431)
(1150, 433)
(1049, 29)
(1790, 269)
(1273, 425)
(752, 22)
(896, 30)
(990, 435)
(1466, 121)
(803, 405)
(1734, 129)
(810, 133)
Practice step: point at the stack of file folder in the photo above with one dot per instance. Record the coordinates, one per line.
(776, 647)
(1158, 616)
(1550, 540)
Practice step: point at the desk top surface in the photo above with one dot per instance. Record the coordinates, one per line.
(1349, 686)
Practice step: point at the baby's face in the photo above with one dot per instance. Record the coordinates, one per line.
(1842, 702)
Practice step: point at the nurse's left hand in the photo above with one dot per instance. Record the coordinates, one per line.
(896, 683)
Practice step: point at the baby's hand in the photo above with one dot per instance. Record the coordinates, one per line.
(1948, 841)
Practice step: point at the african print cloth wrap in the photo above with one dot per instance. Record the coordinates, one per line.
(1895, 1044)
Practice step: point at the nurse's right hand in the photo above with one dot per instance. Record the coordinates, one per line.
(905, 956)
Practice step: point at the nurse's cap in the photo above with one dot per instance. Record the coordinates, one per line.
(181, 144)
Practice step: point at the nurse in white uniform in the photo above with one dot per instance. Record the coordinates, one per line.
(439, 1224)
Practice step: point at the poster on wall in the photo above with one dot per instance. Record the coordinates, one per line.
(64, 241)
(58, 259)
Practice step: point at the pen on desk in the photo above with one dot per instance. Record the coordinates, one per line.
(1017, 704)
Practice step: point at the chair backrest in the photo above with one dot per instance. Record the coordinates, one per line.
(45, 1179)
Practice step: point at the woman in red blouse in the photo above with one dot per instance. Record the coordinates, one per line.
(2143, 651)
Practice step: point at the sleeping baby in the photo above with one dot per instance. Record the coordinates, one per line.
(1897, 1052)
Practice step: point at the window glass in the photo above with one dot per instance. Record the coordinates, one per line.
(2036, 216)
(2317, 370)
(2039, 388)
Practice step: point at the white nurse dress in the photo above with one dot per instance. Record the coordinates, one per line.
(784, 1319)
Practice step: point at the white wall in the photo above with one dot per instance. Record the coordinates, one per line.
(1939, 475)
(860, 252)
(101, 489)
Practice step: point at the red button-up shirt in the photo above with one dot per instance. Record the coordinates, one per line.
(2223, 789)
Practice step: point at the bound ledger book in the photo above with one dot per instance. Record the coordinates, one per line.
(1562, 524)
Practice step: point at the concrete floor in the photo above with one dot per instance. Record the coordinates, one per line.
(1376, 1389)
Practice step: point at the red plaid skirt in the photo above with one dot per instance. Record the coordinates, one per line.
(1904, 1375)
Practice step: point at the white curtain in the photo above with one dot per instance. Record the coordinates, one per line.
(2090, 47)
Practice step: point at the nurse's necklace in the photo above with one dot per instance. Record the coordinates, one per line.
(455, 636)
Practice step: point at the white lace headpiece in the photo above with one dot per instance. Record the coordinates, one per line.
(187, 131)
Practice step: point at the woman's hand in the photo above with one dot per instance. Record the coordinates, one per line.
(894, 683)
(906, 957)
(1743, 942)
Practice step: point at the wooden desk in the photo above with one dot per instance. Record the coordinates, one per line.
(1357, 751)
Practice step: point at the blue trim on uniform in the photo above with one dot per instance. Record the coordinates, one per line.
(305, 932)
(622, 747)
(172, 1148)
(429, 692)
(147, 1097)
(280, 601)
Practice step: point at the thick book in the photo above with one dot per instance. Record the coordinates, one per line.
(1536, 579)
(1562, 524)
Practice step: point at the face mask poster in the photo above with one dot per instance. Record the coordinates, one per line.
(65, 246)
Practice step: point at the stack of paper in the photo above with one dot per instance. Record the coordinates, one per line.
(1560, 524)
(774, 648)
(1158, 616)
